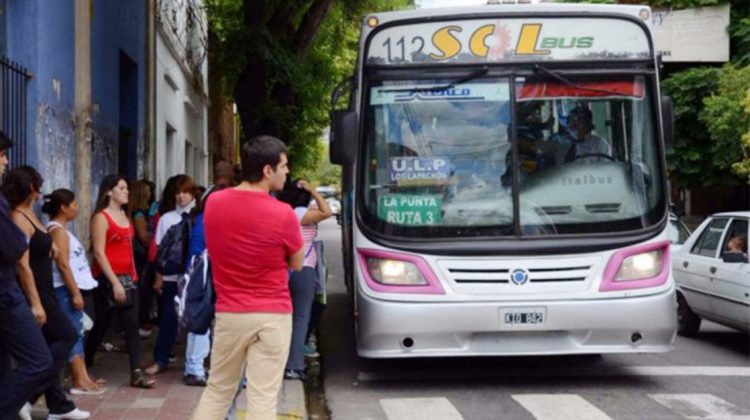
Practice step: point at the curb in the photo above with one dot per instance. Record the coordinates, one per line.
(290, 406)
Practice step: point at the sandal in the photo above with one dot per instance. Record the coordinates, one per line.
(98, 381)
(139, 380)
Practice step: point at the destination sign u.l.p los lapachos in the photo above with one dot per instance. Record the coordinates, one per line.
(508, 39)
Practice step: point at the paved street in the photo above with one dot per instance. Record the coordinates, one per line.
(707, 377)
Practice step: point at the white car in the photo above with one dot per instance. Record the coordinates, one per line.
(335, 205)
(712, 281)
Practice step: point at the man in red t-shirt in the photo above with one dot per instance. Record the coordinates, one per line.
(253, 241)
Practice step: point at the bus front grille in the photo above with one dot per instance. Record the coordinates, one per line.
(542, 275)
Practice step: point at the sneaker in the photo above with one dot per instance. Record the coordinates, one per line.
(83, 391)
(144, 333)
(310, 350)
(294, 374)
(192, 380)
(75, 414)
(25, 413)
(109, 347)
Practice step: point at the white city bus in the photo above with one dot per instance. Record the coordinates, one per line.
(504, 183)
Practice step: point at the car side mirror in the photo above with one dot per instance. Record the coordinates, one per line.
(734, 257)
(667, 121)
(343, 137)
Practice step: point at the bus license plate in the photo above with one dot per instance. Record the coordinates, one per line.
(524, 318)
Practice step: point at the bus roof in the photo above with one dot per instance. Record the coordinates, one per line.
(583, 8)
(495, 34)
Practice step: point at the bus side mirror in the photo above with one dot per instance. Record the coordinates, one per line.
(667, 117)
(343, 137)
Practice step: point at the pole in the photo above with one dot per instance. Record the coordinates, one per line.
(149, 168)
(83, 124)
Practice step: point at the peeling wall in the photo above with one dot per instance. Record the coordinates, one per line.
(55, 146)
(41, 37)
(104, 153)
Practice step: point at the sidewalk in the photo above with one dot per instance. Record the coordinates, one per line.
(170, 399)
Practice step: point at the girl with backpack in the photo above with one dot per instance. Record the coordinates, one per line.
(172, 233)
(298, 194)
(71, 278)
(114, 268)
(198, 345)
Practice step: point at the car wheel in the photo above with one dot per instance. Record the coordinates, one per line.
(688, 323)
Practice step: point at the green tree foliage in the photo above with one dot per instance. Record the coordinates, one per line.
(706, 150)
(727, 117)
(743, 167)
(325, 173)
(689, 164)
(281, 59)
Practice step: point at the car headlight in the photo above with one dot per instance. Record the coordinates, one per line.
(640, 266)
(394, 272)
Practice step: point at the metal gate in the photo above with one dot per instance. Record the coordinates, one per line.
(13, 79)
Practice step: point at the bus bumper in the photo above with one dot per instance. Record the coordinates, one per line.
(388, 329)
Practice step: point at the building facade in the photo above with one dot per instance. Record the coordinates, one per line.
(40, 36)
(181, 87)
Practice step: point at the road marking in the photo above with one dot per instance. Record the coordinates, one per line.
(700, 406)
(552, 372)
(559, 407)
(741, 371)
(419, 409)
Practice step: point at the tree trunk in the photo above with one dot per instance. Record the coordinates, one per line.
(252, 91)
(309, 26)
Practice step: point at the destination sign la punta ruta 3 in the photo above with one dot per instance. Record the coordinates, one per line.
(484, 40)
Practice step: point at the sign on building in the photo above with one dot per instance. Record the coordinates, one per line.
(692, 35)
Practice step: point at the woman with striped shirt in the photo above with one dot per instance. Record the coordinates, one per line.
(298, 194)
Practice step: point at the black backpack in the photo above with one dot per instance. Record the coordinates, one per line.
(195, 303)
(172, 252)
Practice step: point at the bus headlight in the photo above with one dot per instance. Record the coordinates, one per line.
(394, 272)
(640, 266)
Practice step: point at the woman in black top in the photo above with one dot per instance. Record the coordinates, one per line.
(22, 188)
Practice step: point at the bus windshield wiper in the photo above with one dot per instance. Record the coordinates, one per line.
(471, 76)
(570, 83)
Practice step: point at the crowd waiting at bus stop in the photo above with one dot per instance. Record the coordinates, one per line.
(56, 308)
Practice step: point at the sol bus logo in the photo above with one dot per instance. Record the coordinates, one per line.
(530, 41)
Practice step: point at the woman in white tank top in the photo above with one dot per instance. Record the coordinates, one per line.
(71, 276)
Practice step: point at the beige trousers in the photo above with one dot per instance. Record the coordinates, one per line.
(261, 339)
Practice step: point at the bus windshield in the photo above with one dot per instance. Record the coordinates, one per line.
(555, 157)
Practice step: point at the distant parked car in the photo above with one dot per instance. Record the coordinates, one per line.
(712, 274)
(335, 205)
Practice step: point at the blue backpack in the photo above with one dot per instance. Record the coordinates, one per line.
(195, 303)
(172, 251)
